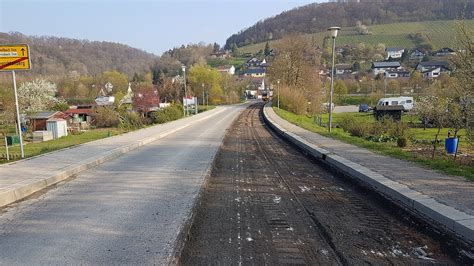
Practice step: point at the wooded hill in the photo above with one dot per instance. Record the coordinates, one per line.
(59, 56)
(408, 35)
(318, 17)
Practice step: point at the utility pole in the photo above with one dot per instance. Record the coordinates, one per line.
(185, 101)
(278, 93)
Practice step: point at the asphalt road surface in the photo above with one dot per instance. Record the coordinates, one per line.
(126, 211)
(268, 204)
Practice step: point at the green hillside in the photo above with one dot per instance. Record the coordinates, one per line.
(440, 33)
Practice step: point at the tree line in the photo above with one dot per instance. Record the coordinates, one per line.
(55, 56)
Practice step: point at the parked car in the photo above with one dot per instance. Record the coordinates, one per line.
(364, 108)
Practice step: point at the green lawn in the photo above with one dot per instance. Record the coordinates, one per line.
(235, 61)
(33, 149)
(444, 165)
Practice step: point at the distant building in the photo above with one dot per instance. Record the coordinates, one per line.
(444, 52)
(227, 69)
(394, 53)
(381, 67)
(254, 72)
(37, 121)
(342, 69)
(432, 69)
(417, 55)
(253, 62)
(221, 54)
(397, 73)
(80, 115)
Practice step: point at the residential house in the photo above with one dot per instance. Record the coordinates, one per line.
(432, 73)
(253, 62)
(444, 52)
(264, 64)
(432, 69)
(397, 73)
(417, 55)
(381, 67)
(226, 69)
(254, 72)
(341, 69)
(37, 121)
(221, 54)
(255, 86)
(394, 53)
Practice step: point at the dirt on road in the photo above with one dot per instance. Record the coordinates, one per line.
(268, 204)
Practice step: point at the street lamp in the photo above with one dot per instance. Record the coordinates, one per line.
(278, 93)
(333, 31)
(203, 95)
(185, 110)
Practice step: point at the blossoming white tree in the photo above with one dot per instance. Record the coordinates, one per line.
(38, 95)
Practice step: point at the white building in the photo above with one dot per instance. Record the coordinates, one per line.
(381, 67)
(394, 53)
(227, 69)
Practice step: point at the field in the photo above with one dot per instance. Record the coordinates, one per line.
(440, 33)
(235, 61)
(416, 152)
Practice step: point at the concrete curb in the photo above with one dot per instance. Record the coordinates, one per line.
(27, 187)
(440, 215)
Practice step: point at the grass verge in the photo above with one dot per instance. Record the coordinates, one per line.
(34, 149)
(447, 166)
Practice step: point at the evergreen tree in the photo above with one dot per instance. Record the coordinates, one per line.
(267, 49)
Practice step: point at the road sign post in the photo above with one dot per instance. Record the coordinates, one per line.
(15, 57)
(6, 149)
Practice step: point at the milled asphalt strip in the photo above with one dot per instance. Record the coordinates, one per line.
(23, 189)
(449, 218)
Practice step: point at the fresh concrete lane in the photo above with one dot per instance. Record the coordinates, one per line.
(22, 178)
(126, 211)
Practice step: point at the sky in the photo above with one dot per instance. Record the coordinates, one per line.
(153, 26)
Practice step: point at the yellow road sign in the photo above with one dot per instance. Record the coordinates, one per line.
(14, 57)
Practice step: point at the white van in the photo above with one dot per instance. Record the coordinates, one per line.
(407, 102)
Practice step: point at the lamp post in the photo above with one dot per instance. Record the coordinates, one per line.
(333, 31)
(278, 93)
(185, 110)
(203, 95)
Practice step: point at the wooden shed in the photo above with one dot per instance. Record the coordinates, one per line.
(393, 111)
(37, 121)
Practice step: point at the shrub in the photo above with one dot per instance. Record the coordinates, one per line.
(106, 117)
(167, 114)
(402, 142)
(381, 138)
(133, 120)
(356, 127)
(292, 100)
